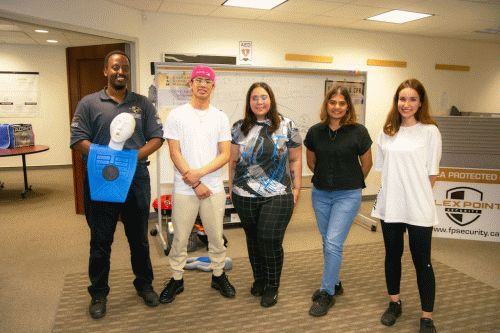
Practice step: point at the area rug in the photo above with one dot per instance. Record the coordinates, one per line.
(462, 303)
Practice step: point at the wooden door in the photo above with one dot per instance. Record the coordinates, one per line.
(85, 75)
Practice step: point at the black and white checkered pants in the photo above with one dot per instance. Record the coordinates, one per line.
(264, 220)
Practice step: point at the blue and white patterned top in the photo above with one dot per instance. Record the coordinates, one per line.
(262, 169)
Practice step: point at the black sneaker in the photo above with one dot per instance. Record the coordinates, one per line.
(427, 326)
(257, 288)
(172, 288)
(149, 296)
(392, 313)
(97, 307)
(322, 304)
(339, 290)
(269, 296)
(222, 284)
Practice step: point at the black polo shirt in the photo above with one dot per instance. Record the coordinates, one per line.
(95, 112)
(337, 156)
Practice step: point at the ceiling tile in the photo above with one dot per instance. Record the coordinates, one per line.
(235, 12)
(198, 2)
(387, 4)
(332, 21)
(149, 5)
(15, 37)
(307, 6)
(353, 11)
(187, 8)
(275, 16)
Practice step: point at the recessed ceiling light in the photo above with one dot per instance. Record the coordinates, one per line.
(255, 4)
(42, 31)
(398, 16)
(489, 31)
(52, 41)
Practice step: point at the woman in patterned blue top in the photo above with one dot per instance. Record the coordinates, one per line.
(265, 179)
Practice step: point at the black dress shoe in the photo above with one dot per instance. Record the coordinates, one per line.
(149, 296)
(97, 307)
(270, 297)
(222, 284)
(172, 288)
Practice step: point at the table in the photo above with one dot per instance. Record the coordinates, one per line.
(23, 151)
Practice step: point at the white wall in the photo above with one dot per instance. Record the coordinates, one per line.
(51, 127)
(476, 90)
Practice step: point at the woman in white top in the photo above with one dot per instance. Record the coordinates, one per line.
(408, 154)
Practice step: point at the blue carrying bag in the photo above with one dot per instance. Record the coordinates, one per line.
(4, 136)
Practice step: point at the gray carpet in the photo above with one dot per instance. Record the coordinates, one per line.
(462, 303)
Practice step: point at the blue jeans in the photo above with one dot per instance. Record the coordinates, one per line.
(335, 212)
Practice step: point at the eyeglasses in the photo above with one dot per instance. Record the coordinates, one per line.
(262, 97)
(201, 81)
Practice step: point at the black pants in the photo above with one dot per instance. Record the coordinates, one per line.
(102, 218)
(265, 221)
(420, 247)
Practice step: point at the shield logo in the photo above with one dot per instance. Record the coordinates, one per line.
(463, 216)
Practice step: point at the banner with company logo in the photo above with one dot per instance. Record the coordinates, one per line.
(468, 204)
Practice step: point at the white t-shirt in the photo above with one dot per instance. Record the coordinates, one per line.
(199, 133)
(406, 160)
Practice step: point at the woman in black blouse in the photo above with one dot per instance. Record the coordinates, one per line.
(339, 154)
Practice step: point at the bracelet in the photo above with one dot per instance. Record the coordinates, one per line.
(194, 187)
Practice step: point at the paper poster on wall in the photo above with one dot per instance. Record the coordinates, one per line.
(468, 204)
(172, 89)
(245, 53)
(19, 94)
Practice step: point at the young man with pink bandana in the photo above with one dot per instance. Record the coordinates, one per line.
(199, 140)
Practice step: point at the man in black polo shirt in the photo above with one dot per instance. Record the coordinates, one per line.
(90, 124)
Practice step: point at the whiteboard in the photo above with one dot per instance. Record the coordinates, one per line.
(298, 92)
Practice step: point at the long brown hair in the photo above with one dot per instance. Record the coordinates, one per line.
(250, 119)
(393, 121)
(350, 115)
